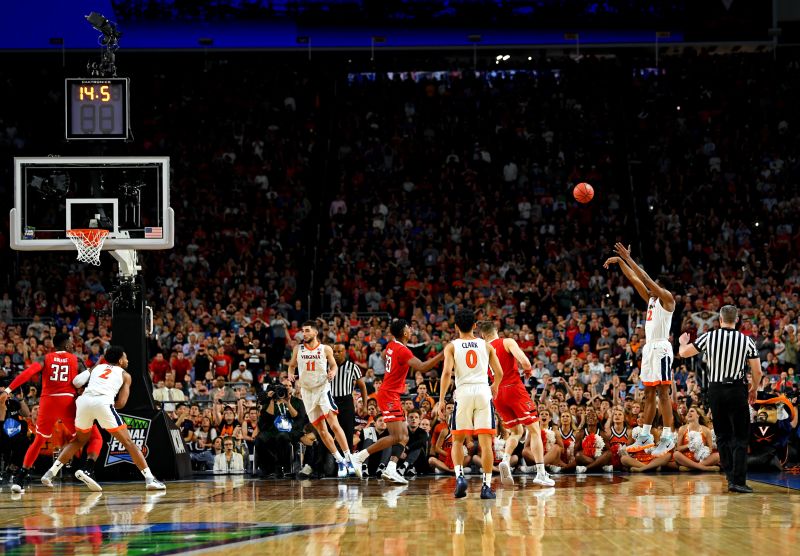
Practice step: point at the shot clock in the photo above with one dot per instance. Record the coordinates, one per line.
(96, 108)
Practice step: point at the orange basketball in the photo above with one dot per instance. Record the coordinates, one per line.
(583, 192)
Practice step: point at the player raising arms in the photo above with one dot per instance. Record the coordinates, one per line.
(399, 360)
(471, 357)
(108, 386)
(57, 403)
(514, 405)
(657, 354)
(317, 368)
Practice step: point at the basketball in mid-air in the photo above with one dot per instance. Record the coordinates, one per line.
(583, 192)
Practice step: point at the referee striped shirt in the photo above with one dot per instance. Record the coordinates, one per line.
(726, 353)
(345, 378)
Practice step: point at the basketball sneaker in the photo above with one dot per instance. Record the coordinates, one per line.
(305, 472)
(580, 469)
(342, 470)
(155, 484)
(351, 470)
(543, 479)
(358, 464)
(47, 478)
(461, 487)
(665, 444)
(393, 476)
(554, 469)
(608, 469)
(487, 493)
(20, 481)
(85, 476)
(505, 474)
(643, 442)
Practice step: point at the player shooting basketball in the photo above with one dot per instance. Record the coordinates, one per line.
(656, 372)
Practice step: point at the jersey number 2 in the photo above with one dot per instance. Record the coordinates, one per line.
(105, 374)
(649, 314)
(60, 373)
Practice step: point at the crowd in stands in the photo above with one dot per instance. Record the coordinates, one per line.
(443, 194)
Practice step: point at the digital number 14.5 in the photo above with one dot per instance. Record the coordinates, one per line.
(88, 92)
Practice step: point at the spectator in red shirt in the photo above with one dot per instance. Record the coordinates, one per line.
(159, 367)
(221, 363)
(180, 366)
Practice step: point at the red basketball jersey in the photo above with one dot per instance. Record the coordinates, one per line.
(508, 363)
(397, 357)
(57, 373)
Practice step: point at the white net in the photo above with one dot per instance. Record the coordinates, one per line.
(89, 243)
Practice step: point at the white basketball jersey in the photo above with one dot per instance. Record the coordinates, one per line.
(313, 366)
(471, 362)
(658, 321)
(105, 380)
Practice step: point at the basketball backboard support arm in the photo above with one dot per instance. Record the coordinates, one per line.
(127, 260)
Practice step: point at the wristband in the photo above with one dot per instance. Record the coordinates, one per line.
(7, 391)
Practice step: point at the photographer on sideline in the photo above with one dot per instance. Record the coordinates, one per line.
(281, 424)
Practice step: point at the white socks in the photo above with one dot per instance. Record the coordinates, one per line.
(338, 457)
(540, 469)
(646, 429)
(507, 458)
(148, 475)
(347, 455)
(57, 465)
(459, 469)
(666, 431)
(363, 455)
(487, 479)
(392, 466)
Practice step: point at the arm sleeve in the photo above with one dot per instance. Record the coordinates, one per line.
(25, 376)
(701, 342)
(82, 379)
(752, 352)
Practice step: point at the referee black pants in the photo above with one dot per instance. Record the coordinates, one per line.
(347, 417)
(731, 416)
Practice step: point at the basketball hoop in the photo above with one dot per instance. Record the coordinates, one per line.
(89, 243)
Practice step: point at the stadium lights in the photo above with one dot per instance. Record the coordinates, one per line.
(499, 57)
(506, 57)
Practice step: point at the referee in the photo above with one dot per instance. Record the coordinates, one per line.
(342, 389)
(728, 353)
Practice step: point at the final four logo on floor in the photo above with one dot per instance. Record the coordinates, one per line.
(139, 429)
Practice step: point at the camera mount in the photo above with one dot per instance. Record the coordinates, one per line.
(109, 39)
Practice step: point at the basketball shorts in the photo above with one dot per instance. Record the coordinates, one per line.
(657, 363)
(391, 406)
(515, 407)
(474, 410)
(89, 409)
(53, 409)
(319, 403)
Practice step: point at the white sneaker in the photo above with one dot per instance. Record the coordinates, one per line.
(608, 468)
(554, 469)
(47, 478)
(505, 474)
(665, 444)
(580, 469)
(342, 469)
(643, 442)
(543, 479)
(393, 476)
(86, 479)
(357, 464)
(155, 484)
(306, 471)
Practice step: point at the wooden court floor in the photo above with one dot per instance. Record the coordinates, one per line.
(660, 514)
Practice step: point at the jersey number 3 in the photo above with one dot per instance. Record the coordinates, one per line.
(60, 373)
